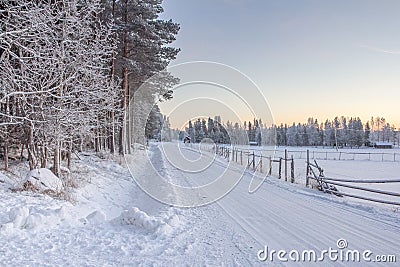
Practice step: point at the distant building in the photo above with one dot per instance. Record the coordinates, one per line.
(383, 145)
(253, 143)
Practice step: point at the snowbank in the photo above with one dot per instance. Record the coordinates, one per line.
(44, 179)
(32, 219)
(141, 219)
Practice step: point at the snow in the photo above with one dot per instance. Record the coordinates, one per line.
(136, 217)
(112, 222)
(44, 179)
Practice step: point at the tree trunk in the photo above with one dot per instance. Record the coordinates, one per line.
(21, 157)
(124, 83)
(81, 145)
(69, 159)
(129, 123)
(44, 157)
(96, 142)
(124, 101)
(56, 165)
(6, 156)
(112, 73)
(112, 133)
(31, 157)
(31, 150)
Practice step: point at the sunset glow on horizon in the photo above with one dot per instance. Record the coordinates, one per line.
(309, 58)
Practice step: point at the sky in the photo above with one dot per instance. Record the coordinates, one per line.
(309, 58)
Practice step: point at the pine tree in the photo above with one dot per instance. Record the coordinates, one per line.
(143, 52)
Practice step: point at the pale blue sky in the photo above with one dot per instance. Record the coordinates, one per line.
(309, 57)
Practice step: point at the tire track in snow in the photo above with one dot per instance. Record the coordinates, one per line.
(205, 228)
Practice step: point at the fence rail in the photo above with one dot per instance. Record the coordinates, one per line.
(341, 155)
(257, 161)
(328, 185)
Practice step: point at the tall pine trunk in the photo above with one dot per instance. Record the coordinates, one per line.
(124, 82)
(112, 73)
(124, 102)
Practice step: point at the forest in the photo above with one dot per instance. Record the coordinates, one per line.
(69, 70)
(339, 132)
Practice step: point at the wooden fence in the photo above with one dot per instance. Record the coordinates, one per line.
(342, 155)
(329, 185)
(259, 162)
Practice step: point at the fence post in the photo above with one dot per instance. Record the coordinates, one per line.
(228, 154)
(292, 171)
(286, 160)
(254, 162)
(308, 167)
(270, 166)
(261, 157)
(241, 157)
(280, 168)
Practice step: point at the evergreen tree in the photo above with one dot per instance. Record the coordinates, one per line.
(367, 141)
(143, 51)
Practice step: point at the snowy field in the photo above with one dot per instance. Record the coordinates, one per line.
(112, 222)
(349, 164)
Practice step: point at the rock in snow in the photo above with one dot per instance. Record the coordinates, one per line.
(44, 179)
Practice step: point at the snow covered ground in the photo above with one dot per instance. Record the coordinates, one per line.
(350, 164)
(112, 222)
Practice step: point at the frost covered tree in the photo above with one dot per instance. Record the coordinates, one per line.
(55, 85)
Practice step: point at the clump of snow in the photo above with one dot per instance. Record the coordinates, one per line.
(24, 218)
(19, 216)
(2, 178)
(96, 217)
(44, 179)
(174, 220)
(136, 217)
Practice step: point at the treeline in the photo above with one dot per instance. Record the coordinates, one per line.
(158, 127)
(68, 70)
(340, 132)
(201, 129)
